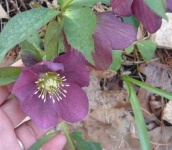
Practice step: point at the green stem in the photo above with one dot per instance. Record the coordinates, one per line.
(66, 132)
(66, 4)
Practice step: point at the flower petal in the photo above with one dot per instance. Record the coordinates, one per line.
(75, 69)
(169, 5)
(73, 107)
(42, 113)
(25, 86)
(54, 66)
(102, 55)
(46, 66)
(122, 7)
(110, 34)
(148, 18)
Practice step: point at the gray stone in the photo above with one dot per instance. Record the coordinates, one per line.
(163, 37)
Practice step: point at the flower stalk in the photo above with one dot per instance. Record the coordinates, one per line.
(66, 132)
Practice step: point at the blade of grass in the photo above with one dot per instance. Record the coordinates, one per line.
(139, 119)
(148, 87)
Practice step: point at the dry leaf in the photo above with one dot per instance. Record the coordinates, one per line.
(162, 138)
(155, 76)
(167, 112)
(156, 105)
(98, 97)
(111, 127)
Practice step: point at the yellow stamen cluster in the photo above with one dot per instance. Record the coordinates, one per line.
(52, 85)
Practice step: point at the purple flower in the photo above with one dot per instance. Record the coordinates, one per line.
(169, 5)
(110, 34)
(141, 10)
(49, 90)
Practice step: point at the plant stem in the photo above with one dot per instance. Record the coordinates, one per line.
(66, 4)
(66, 132)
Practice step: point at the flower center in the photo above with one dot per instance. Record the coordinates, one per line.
(52, 84)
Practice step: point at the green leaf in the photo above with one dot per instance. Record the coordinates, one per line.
(150, 88)
(52, 39)
(35, 40)
(87, 3)
(129, 49)
(60, 45)
(117, 60)
(132, 20)
(9, 75)
(81, 3)
(79, 25)
(83, 144)
(42, 141)
(61, 2)
(147, 49)
(32, 43)
(140, 123)
(107, 2)
(158, 6)
(23, 26)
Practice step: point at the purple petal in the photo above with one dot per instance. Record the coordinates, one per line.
(53, 66)
(45, 66)
(42, 113)
(75, 69)
(147, 17)
(169, 5)
(25, 86)
(29, 59)
(102, 55)
(122, 7)
(73, 107)
(110, 34)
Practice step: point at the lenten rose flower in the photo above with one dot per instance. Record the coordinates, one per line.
(110, 34)
(141, 10)
(49, 90)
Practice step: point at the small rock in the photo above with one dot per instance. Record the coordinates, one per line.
(163, 37)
